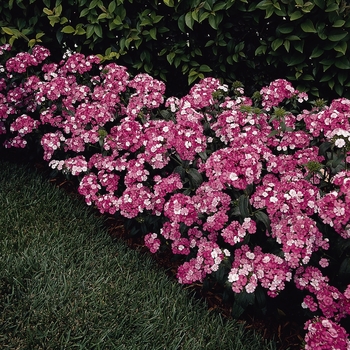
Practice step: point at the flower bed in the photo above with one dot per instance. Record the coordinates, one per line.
(252, 192)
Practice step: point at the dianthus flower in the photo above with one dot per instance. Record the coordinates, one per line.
(21, 62)
(235, 166)
(104, 162)
(164, 186)
(126, 136)
(210, 198)
(152, 242)
(109, 181)
(89, 188)
(135, 200)
(16, 142)
(51, 142)
(78, 63)
(157, 139)
(181, 208)
(249, 268)
(136, 172)
(201, 94)
(340, 137)
(75, 165)
(286, 195)
(324, 334)
(326, 120)
(327, 298)
(40, 53)
(107, 203)
(334, 210)
(208, 259)
(149, 94)
(189, 140)
(171, 230)
(276, 92)
(24, 124)
(299, 237)
(235, 232)
(181, 246)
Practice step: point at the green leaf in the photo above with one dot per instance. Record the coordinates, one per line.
(169, 3)
(170, 57)
(39, 35)
(47, 11)
(203, 16)
(68, 30)
(331, 83)
(117, 21)
(286, 45)
(320, 3)
(316, 52)
(153, 33)
(31, 43)
(195, 15)
(204, 68)
(293, 38)
(212, 22)
(53, 20)
(181, 23)
(243, 204)
(90, 31)
(342, 77)
(296, 15)
(63, 20)
(263, 5)
(80, 31)
(339, 89)
(342, 63)
(189, 20)
(112, 6)
(7, 30)
(102, 16)
(219, 6)
(58, 10)
(326, 77)
(84, 12)
(341, 47)
(195, 176)
(263, 217)
(260, 50)
(308, 27)
(285, 28)
(332, 7)
(339, 23)
(276, 44)
(93, 4)
(337, 36)
(98, 30)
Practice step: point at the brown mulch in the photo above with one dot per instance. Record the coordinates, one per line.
(285, 330)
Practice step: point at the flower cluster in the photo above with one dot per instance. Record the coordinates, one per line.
(250, 268)
(324, 334)
(238, 188)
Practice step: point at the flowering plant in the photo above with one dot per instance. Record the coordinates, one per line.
(253, 193)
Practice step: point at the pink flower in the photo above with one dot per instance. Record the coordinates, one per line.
(323, 333)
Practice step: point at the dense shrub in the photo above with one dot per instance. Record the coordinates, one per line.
(182, 41)
(252, 192)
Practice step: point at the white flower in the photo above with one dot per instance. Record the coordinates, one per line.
(339, 143)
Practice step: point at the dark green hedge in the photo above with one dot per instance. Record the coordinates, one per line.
(182, 40)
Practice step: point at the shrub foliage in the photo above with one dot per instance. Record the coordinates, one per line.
(182, 41)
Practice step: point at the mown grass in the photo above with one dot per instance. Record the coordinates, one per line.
(65, 285)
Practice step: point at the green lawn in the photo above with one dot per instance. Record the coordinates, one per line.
(65, 285)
